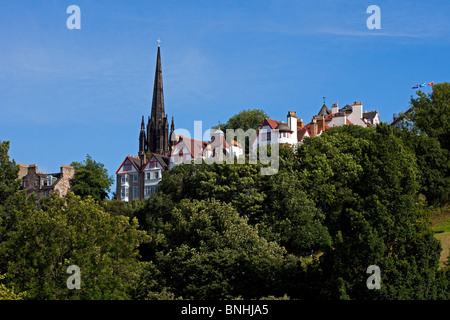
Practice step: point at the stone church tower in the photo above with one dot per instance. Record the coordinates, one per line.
(156, 138)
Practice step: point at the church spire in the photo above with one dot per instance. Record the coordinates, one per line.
(142, 142)
(158, 95)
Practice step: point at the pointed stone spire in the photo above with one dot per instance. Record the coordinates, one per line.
(171, 139)
(142, 124)
(158, 126)
(142, 142)
(158, 112)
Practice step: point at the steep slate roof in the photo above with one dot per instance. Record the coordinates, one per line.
(370, 114)
(346, 108)
(163, 160)
(324, 111)
(136, 162)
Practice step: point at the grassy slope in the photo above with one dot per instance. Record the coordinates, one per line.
(440, 220)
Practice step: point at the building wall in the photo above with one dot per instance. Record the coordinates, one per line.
(62, 186)
(33, 181)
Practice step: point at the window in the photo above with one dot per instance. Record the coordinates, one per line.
(47, 193)
(127, 167)
(149, 190)
(135, 192)
(124, 193)
(147, 176)
(25, 183)
(155, 174)
(268, 136)
(180, 154)
(135, 178)
(36, 183)
(124, 179)
(47, 182)
(153, 164)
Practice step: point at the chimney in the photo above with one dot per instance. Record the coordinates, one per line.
(67, 172)
(32, 168)
(357, 109)
(23, 170)
(320, 124)
(314, 128)
(292, 123)
(334, 108)
(300, 123)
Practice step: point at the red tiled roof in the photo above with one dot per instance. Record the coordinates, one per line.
(301, 132)
(193, 145)
(272, 123)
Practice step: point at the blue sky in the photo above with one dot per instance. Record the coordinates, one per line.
(68, 93)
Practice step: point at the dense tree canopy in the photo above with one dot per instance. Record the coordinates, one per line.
(91, 179)
(431, 113)
(246, 119)
(351, 198)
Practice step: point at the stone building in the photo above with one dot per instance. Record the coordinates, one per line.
(139, 181)
(43, 184)
(294, 130)
(156, 138)
(139, 176)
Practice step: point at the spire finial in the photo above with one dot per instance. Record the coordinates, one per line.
(159, 42)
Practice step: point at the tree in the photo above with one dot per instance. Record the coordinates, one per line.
(431, 112)
(205, 250)
(433, 162)
(71, 231)
(12, 200)
(91, 179)
(246, 119)
(366, 183)
(9, 294)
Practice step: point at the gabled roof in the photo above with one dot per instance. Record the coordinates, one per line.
(195, 147)
(219, 143)
(135, 161)
(271, 123)
(163, 160)
(346, 108)
(370, 114)
(301, 133)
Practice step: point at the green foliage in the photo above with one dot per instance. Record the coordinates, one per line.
(434, 164)
(72, 231)
(205, 250)
(431, 112)
(9, 294)
(366, 182)
(350, 198)
(246, 119)
(91, 179)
